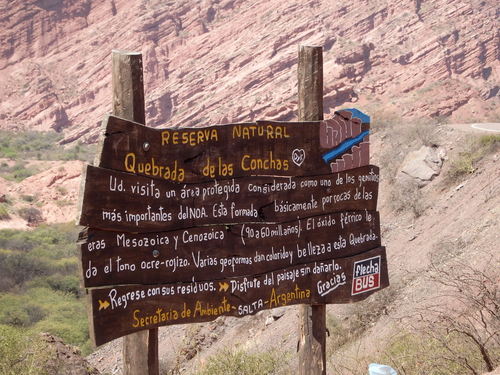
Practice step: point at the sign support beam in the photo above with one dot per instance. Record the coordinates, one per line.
(312, 341)
(140, 350)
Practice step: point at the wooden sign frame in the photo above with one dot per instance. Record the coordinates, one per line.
(147, 190)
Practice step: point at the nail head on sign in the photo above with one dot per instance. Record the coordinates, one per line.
(146, 146)
(156, 253)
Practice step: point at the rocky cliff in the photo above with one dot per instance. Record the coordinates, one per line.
(217, 61)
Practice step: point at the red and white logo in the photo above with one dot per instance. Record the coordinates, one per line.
(366, 275)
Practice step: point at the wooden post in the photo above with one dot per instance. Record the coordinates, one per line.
(312, 342)
(153, 362)
(140, 350)
(128, 86)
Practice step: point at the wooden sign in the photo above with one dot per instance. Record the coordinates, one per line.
(217, 251)
(122, 310)
(235, 150)
(185, 225)
(121, 201)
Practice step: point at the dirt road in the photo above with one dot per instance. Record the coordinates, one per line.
(487, 127)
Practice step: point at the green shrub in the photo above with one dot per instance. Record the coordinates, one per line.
(40, 282)
(19, 267)
(31, 214)
(242, 363)
(65, 283)
(17, 172)
(465, 162)
(72, 329)
(490, 141)
(28, 198)
(462, 165)
(66, 265)
(46, 255)
(47, 241)
(66, 315)
(16, 240)
(412, 353)
(21, 353)
(62, 190)
(64, 203)
(17, 311)
(4, 212)
(41, 146)
(42, 309)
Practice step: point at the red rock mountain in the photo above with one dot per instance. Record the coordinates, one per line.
(218, 61)
(215, 61)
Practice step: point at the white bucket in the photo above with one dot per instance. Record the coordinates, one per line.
(376, 369)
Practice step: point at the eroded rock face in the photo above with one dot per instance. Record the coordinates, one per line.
(422, 165)
(225, 61)
(52, 192)
(65, 359)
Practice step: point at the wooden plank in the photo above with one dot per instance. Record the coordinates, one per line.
(128, 102)
(312, 342)
(125, 309)
(128, 86)
(310, 83)
(153, 358)
(223, 151)
(125, 202)
(216, 252)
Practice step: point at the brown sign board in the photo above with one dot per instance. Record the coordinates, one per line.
(121, 310)
(218, 251)
(234, 150)
(185, 225)
(126, 202)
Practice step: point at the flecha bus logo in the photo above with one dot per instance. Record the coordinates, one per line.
(366, 275)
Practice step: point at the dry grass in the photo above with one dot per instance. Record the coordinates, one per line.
(361, 317)
(239, 362)
(465, 161)
(457, 330)
(406, 196)
(398, 139)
